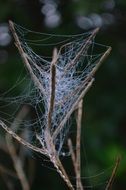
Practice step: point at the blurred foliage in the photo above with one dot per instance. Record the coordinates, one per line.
(104, 118)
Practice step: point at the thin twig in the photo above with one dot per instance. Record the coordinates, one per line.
(52, 87)
(76, 158)
(110, 182)
(20, 140)
(64, 174)
(78, 141)
(24, 58)
(54, 158)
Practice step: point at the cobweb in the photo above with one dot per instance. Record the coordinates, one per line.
(78, 56)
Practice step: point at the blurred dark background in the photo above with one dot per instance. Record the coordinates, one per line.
(104, 118)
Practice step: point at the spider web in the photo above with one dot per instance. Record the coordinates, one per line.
(78, 56)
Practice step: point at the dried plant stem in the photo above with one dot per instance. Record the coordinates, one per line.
(63, 173)
(110, 182)
(24, 58)
(72, 109)
(76, 158)
(78, 141)
(20, 140)
(54, 158)
(52, 87)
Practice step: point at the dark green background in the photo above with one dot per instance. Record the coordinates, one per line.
(104, 119)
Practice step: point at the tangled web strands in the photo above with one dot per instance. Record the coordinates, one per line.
(75, 64)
